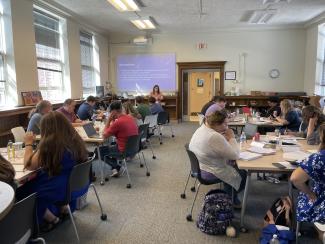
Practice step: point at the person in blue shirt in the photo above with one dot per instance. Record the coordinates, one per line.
(35, 116)
(289, 117)
(155, 107)
(59, 150)
(311, 199)
(86, 110)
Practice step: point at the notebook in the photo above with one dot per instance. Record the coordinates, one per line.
(249, 156)
(295, 156)
(259, 150)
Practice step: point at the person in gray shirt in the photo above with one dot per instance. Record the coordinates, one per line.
(35, 116)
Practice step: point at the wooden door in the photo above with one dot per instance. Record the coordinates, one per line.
(201, 90)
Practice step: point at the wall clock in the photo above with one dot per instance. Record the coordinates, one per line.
(274, 73)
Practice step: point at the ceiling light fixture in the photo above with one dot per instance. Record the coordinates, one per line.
(275, 1)
(144, 23)
(262, 16)
(125, 5)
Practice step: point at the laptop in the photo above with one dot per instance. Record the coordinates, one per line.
(91, 131)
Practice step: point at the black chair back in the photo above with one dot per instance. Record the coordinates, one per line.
(19, 222)
(132, 146)
(79, 178)
(143, 131)
(195, 165)
(162, 118)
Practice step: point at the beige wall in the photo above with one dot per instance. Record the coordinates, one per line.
(18, 14)
(281, 49)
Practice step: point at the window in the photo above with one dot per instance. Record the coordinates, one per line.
(320, 63)
(2, 66)
(49, 55)
(87, 64)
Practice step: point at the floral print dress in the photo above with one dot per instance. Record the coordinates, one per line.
(308, 211)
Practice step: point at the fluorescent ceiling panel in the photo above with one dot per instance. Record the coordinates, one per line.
(124, 5)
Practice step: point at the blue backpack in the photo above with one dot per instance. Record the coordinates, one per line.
(216, 213)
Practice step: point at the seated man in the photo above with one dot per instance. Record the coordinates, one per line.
(68, 111)
(215, 146)
(86, 110)
(219, 104)
(121, 126)
(274, 109)
(155, 108)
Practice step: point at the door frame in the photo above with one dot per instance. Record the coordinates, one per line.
(192, 66)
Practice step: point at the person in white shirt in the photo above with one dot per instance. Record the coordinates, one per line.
(215, 146)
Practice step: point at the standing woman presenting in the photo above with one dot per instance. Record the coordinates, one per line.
(156, 93)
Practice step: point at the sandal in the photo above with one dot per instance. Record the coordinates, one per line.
(48, 226)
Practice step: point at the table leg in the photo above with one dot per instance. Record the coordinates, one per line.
(102, 180)
(242, 213)
(293, 204)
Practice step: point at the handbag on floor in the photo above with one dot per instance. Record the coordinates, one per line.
(280, 212)
(216, 213)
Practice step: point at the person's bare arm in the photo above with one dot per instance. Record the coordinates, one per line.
(282, 121)
(31, 161)
(311, 126)
(299, 178)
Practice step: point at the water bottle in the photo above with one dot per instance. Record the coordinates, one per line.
(242, 139)
(275, 240)
(9, 149)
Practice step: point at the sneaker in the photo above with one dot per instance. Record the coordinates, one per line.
(114, 173)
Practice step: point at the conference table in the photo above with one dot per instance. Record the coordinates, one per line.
(264, 165)
(7, 199)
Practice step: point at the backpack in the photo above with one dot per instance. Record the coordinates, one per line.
(216, 213)
(280, 212)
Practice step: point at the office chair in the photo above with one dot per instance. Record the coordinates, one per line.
(80, 178)
(20, 224)
(143, 131)
(163, 120)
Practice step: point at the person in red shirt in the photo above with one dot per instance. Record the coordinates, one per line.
(121, 126)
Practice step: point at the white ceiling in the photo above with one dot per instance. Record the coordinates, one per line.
(183, 15)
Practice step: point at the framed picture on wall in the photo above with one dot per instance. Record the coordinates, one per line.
(200, 82)
(31, 97)
(230, 75)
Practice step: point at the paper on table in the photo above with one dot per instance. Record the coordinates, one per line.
(19, 168)
(257, 144)
(288, 165)
(295, 156)
(264, 151)
(312, 150)
(249, 156)
(293, 148)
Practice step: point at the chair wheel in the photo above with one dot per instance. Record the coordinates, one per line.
(173, 135)
(148, 174)
(141, 165)
(189, 218)
(193, 189)
(154, 157)
(103, 217)
(106, 179)
(160, 142)
(128, 186)
(183, 196)
(102, 183)
(243, 230)
(160, 134)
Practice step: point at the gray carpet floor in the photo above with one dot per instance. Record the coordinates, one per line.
(152, 210)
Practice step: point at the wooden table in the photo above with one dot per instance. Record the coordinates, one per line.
(263, 122)
(7, 197)
(264, 165)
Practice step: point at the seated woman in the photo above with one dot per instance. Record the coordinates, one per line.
(35, 116)
(129, 109)
(289, 117)
(311, 200)
(215, 146)
(312, 119)
(142, 108)
(59, 150)
(7, 172)
(156, 94)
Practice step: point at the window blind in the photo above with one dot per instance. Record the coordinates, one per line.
(48, 52)
(87, 64)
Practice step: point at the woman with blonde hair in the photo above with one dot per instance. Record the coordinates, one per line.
(289, 116)
(59, 150)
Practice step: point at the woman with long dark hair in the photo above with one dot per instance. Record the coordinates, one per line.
(156, 93)
(59, 150)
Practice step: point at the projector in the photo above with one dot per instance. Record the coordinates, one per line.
(141, 40)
